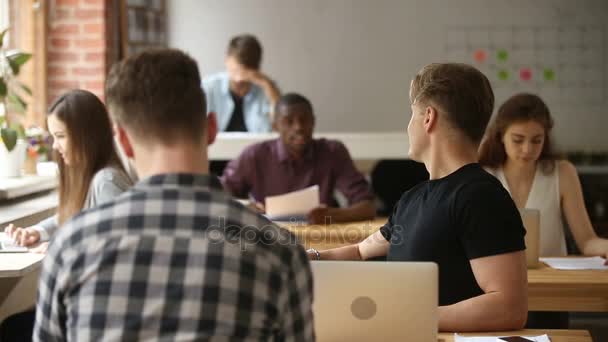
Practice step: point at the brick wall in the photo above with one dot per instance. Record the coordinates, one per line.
(78, 45)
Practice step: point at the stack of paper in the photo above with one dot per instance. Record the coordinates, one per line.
(293, 205)
(593, 263)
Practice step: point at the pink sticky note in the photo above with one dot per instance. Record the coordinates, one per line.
(480, 55)
(525, 74)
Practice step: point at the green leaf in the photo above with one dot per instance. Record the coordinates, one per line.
(17, 102)
(3, 89)
(20, 130)
(16, 59)
(25, 88)
(2, 121)
(2, 34)
(9, 137)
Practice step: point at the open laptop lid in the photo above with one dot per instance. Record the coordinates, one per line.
(375, 301)
(531, 220)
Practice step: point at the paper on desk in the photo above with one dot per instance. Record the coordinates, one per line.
(294, 204)
(458, 338)
(8, 245)
(592, 263)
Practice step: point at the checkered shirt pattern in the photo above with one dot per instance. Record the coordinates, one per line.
(174, 259)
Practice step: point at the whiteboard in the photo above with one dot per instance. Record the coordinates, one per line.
(354, 59)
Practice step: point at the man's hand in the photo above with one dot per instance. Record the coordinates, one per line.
(257, 207)
(22, 236)
(320, 215)
(256, 77)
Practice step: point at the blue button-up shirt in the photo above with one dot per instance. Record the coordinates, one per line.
(256, 107)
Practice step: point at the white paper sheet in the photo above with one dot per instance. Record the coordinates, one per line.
(8, 245)
(458, 338)
(592, 263)
(295, 204)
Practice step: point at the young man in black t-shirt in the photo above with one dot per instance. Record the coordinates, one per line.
(462, 218)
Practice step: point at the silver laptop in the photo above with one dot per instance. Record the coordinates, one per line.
(531, 220)
(375, 301)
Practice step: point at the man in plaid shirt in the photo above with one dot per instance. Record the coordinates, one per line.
(174, 258)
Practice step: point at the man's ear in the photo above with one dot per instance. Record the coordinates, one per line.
(430, 118)
(211, 128)
(124, 141)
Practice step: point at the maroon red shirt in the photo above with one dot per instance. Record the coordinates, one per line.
(266, 169)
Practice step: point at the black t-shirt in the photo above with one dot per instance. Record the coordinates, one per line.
(237, 120)
(463, 216)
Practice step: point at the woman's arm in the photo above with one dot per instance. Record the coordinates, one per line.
(573, 206)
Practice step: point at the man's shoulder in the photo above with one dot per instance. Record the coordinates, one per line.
(473, 175)
(132, 215)
(481, 189)
(215, 81)
(330, 146)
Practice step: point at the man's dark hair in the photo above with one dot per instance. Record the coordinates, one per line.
(158, 94)
(291, 99)
(247, 50)
(463, 92)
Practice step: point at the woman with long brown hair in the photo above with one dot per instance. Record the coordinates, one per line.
(90, 171)
(517, 149)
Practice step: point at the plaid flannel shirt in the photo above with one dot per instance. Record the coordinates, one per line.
(174, 259)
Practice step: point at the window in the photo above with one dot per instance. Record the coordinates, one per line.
(4, 14)
(27, 20)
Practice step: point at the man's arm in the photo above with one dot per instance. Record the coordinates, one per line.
(237, 177)
(504, 304)
(352, 184)
(269, 87)
(374, 246)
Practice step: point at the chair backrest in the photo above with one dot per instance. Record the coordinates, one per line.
(391, 178)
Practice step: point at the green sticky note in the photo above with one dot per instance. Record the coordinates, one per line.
(503, 75)
(549, 74)
(502, 55)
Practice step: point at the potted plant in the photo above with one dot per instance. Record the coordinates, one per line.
(12, 133)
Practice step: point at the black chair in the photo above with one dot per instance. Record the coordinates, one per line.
(392, 177)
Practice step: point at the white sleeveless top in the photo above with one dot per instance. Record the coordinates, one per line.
(544, 196)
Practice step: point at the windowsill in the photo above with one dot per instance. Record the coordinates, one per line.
(28, 210)
(12, 188)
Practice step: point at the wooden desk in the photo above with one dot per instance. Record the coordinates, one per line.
(19, 274)
(558, 290)
(554, 335)
(548, 289)
(334, 235)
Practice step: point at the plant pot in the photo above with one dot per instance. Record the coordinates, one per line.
(11, 162)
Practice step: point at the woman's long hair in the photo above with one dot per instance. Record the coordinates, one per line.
(522, 107)
(91, 146)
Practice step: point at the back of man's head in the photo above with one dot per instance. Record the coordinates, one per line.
(247, 51)
(462, 93)
(157, 97)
